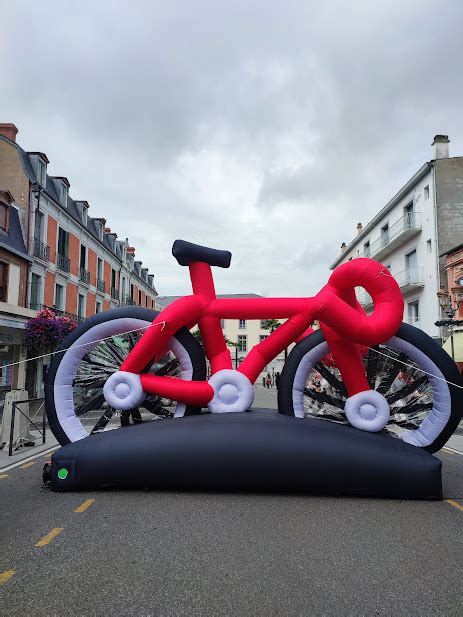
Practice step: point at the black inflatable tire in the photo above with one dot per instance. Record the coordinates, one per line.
(406, 332)
(189, 342)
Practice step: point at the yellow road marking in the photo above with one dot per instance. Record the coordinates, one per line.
(50, 536)
(5, 576)
(26, 465)
(455, 504)
(3, 475)
(84, 506)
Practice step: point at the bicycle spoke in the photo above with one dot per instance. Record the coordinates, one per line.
(407, 389)
(372, 366)
(95, 402)
(392, 373)
(103, 421)
(331, 379)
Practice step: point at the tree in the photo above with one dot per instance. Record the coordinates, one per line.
(270, 324)
(198, 337)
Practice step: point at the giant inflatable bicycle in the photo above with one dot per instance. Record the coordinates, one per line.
(359, 374)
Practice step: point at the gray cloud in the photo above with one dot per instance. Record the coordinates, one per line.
(266, 128)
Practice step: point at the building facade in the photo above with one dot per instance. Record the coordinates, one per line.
(451, 300)
(412, 231)
(75, 264)
(241, 334)
(14, 265)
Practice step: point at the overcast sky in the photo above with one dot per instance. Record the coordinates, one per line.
(266, 128)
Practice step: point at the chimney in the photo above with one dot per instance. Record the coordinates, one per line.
(440, 147)
(107, 230)
(343, 247)
(9, 130)
(359, 228)
(130, 250)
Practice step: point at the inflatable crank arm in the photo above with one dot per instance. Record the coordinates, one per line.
(124, 390)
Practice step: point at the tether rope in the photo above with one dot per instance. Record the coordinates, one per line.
(163, 323)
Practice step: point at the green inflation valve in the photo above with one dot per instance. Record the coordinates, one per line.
(63, 473)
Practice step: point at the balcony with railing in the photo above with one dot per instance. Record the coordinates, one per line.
(410, 279)
(114, 293)
(84, 276)
(41, 250)
(63, 263)
(101, 285)
(57, 311)
(403, 229)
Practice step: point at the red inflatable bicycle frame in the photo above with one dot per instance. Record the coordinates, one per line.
(344, 323)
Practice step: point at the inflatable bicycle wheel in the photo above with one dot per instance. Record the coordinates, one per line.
(418, 378)
(74, 384)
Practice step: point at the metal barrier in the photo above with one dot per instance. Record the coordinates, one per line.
(13, 442)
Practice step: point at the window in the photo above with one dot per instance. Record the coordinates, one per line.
(385, 234)
(131, 291)
(59, 297)
(408, 216)
(3, 282)
(411, 260)
(98, 306)
(414, 313)
(3, 216)
(426, 192)
(81, 306)
(63, 242)
(242, 342)
(113, 278)
(263, 337)
(139, 297)
(99, 268)
(146, 301)
(64, 194)
(83, 256)
(38, 225)
(242, 324)
(366, 249)
(42, 173)
(222, 324)
(36, 284)
(262, 323)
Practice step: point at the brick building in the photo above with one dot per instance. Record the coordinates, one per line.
(77, 264)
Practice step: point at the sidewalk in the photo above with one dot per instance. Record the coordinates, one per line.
(27, 452)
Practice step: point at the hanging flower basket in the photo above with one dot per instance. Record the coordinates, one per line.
(46, 331)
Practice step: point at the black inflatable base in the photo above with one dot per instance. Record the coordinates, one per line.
(258, 451)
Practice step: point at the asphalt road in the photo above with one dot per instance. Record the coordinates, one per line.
(153, 553)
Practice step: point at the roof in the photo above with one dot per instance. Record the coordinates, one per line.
(13, 240)
(166, 300)
(452, 250)
(50, 190)
(422, 171)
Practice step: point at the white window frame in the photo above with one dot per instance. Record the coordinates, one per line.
(241, 324)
